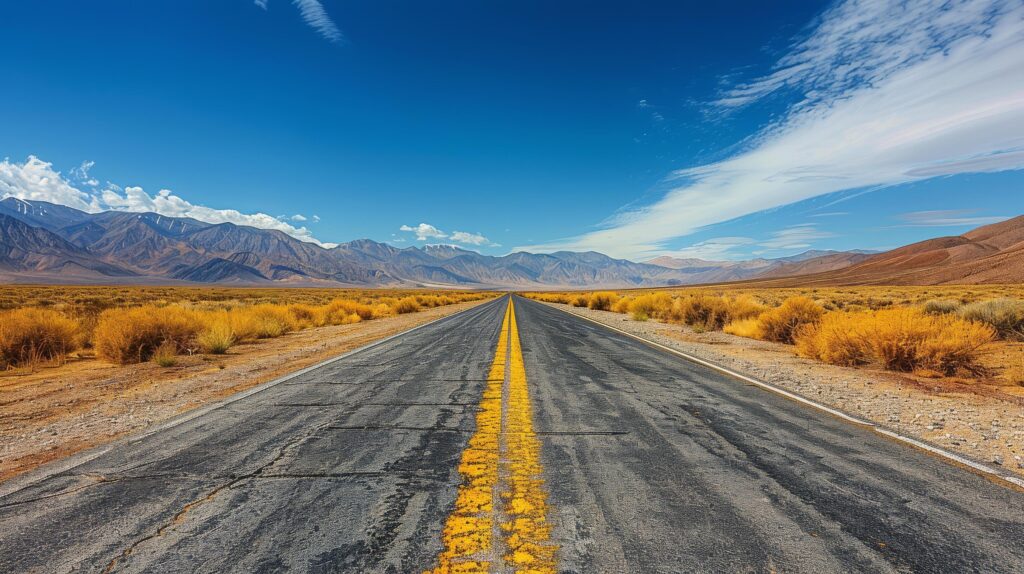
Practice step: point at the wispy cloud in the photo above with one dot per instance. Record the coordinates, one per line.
(469, 238)
(888, 92)
(800, 236)
(948, 218)
(316, 16)
(36, 179)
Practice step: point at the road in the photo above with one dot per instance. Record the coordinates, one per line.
(508, 439)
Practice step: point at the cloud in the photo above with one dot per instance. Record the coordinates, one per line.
(888, 92)
(298, 217)
(36, 180)
(795, 237)
(948, 218)
(424, 231)
(712, 249)
(469, 238)
(316, 17)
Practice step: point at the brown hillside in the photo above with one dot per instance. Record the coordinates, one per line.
(990, 254)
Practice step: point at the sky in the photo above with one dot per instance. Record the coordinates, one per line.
(637, 129)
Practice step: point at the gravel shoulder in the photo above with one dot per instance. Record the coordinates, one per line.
(983, 423)
(55, 412)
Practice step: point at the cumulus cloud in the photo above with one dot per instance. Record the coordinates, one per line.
(36, 180)
(313, 12)
(424, 231)
(469, 238)
(888, 92)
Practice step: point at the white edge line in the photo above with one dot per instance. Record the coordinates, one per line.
(918, 443)
(23, 481)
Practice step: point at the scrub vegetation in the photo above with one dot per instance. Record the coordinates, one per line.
(930, 331)
(45, 325)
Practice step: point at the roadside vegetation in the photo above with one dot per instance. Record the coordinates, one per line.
(122, 325)
(928, 331)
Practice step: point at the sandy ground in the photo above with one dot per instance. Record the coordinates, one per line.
(55, 412)
(983, 422)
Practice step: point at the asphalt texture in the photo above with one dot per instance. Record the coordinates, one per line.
(651, 464)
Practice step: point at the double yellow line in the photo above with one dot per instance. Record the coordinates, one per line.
(499, 523)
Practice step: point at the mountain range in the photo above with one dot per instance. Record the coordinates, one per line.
(42, 242)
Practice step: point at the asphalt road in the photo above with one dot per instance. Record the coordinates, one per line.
(649, 464)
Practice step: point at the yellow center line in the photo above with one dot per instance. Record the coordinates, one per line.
(499, 523)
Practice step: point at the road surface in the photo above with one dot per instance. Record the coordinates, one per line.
(509, 439)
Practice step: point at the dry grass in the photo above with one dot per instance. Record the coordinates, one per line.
(931, 330)
(132, 325)
(31, 336)
(904, 339)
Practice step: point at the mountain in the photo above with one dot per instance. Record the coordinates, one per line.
(813, 261)
(28, 249)
(990, 254)
(44, 242)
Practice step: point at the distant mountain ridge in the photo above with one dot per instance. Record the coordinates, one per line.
(44, 242)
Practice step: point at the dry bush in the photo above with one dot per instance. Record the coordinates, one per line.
(406, 305)
(900, 339)
(29, 336)
(305, 316)
(165, 354)
(603, 300)
(941, 306)
(701, 311)
(581, 300)
(749, 328)
(651, 306)
(622, 305)
(1005, 315)
(781, 324)
(340, 312)
(132, 335)
(218, 335)
(271, 321)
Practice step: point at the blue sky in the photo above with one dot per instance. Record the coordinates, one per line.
(632, 128)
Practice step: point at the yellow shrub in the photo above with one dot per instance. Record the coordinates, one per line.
(781, 324)
(132, 335)
(651, 306)
(31, 335)
(165, 354)
(340, 311)
(218, 335)
(705, 312)
(603, 300)
(406, 305)
(581, 300)
(271, 320)
(749, 328)
(899, 339)
(622, 305)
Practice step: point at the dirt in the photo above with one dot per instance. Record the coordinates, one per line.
(984, 422)
(54, 412)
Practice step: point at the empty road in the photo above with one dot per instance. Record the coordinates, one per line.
(512, 438)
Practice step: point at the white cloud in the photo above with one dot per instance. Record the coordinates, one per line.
(298, 217)
(795, 237)
(948, 218)
(717, 248)
(316, 17)
(37, 180)
(892, 92)
(470, 238)
(316, 219)
(424, 231)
